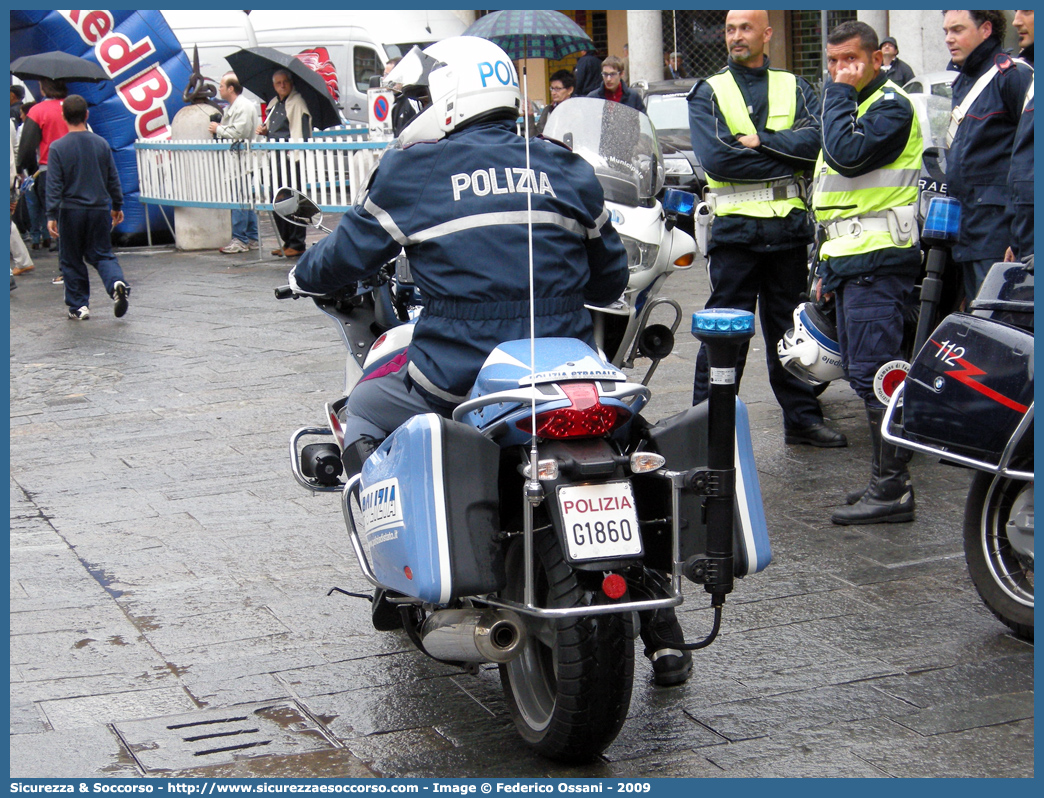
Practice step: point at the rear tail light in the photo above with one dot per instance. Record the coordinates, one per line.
(586, 416)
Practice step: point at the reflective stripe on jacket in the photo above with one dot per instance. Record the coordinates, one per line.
(890, 186)
(782, 106)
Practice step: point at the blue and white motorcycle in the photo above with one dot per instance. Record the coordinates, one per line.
(531, 528)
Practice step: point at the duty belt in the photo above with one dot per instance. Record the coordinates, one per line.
(725, 196)
(854, 226)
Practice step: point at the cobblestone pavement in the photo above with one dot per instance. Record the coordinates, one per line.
(166, 570)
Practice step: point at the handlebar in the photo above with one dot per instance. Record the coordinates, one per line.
(285, 292)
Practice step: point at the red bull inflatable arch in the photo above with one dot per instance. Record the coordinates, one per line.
(148, 71)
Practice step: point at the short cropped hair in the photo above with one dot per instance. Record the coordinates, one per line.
(852, 29)
(614, 62)
(74, 109)
(18, 91)
(232, 82)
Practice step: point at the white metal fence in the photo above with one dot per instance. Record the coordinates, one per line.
(243, 174)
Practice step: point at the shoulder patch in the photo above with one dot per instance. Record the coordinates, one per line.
(1004, 62)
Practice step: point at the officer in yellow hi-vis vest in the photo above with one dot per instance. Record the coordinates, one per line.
(865, 199)
(755, 131)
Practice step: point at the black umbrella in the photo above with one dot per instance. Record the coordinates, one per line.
(57, 65)
(254, 67)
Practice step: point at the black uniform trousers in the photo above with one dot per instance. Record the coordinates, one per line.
(292, 236)
(772, 282)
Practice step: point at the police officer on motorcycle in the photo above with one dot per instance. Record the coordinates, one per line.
(456, 197)
(864, 199)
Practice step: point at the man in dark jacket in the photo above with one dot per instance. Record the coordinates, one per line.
(1020, 183)
(898, 71)
(587, 73)
(84, 201)
(753, 123)
(455, 197)
(613, 88)
(983, 133)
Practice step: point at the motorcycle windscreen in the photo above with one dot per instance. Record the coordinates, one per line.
(682, 440)
(429, 510)
(969, 386)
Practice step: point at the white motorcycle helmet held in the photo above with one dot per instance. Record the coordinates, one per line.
(809, 350)
(467, 78)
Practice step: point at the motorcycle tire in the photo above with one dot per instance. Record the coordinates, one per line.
(1003, 579)
(569, 691)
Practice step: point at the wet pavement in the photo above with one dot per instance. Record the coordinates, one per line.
(169, 579)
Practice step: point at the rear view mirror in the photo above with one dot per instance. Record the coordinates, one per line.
(296, 208)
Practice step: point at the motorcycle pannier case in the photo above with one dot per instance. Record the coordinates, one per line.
(682, 440)
(969, 386)
(428, 511)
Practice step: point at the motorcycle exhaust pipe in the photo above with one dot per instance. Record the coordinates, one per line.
(474, 635)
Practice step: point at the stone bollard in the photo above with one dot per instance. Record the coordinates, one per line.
(198, 228)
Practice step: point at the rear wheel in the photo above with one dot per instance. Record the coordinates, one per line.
(570, 690)
(998, 546)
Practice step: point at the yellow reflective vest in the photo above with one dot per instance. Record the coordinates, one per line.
(782, 106)
(868, 196)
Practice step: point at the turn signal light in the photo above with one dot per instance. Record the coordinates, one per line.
(685, 260)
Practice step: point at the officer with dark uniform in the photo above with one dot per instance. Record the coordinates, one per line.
(455, 197)
(755, 130)
(988, 96)
(864, 198)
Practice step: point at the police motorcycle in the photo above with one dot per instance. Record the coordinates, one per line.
(968, 400)
(620, 143)
(536, 526)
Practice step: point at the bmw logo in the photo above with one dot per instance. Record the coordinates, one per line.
(939, 383)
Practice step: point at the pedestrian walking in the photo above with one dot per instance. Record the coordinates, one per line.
(865, 199)
(755, 129)
(19, 254)
(84, 202)
(44, 125)
(238, 123)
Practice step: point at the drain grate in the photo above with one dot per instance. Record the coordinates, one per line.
(221, 736)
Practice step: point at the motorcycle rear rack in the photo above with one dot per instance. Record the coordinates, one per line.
(529, 606)
(1001, 467)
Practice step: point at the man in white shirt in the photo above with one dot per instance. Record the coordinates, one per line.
(239, 122)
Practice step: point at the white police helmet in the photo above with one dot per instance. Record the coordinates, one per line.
(809, 350)
(466, 77)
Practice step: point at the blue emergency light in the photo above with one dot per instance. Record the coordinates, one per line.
(942, 222)
(722, 321)
(680, 202)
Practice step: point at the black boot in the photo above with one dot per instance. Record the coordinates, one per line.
(354, 454)
(661, 632)
(889, 498)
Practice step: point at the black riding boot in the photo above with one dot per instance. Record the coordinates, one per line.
(661, 632)
(889, 498)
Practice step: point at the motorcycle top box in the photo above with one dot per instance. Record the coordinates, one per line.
(969, 386)
(428, 511)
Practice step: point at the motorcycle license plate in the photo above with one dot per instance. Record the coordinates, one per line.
(600, 521)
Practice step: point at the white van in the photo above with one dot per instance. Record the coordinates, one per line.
(216, 33)
(358, 42)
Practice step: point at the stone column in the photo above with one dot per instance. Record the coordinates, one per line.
(198, 228)
(645, 44)
(876, 19)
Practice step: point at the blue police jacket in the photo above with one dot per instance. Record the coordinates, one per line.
(782, 153)
(628, 98)
(978, 160)
(458, 206)
(1020, 183)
